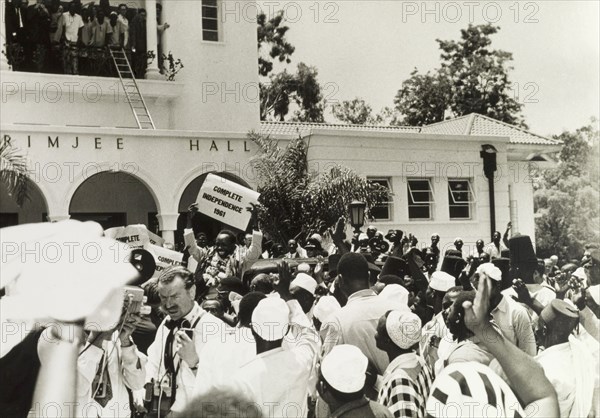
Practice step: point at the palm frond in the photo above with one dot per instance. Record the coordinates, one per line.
(14, 173)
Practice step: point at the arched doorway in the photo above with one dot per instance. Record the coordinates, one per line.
(202, 223)
(114, 199)
(34, 209)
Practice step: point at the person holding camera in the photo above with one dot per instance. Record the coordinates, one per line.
(107, 366)
(173, 357)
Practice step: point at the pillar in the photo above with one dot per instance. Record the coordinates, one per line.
(152, 72)
(167, 223)
(3, 61)
(166, 18)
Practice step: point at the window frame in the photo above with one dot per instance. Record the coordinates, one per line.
(389, 203)
(469, 203)
(421, 204)
(216, 19)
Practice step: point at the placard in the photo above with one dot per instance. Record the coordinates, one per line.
(226, 201)
(135, 236)
(164, 258)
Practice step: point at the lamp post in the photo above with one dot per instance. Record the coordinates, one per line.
(488, 154)
(357, 215)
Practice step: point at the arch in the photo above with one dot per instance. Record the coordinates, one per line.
(35, 209)
(114, 199)
(132, 169)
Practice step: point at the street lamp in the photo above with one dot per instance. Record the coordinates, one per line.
(357, 215)
(488, 154)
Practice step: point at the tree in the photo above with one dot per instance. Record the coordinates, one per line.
(300, 89)
(14, 174)
(297, 201)
(472, 79)
(278, 92)
(271, 37)
(359, 112)
(567, 197)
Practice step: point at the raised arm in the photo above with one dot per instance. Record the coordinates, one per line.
(525, 374)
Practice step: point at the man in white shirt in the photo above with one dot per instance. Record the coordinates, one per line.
(108, 365)
(512, 318)
(72, 28)
(278, 378)
(567, 362)
(173, 357)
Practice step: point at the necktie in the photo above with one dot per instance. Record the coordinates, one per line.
(101, 386)
(172, 325)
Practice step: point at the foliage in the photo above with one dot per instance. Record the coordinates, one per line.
(359, 112)
(279, 92)
(14, 174)
(472, 79)
(567, 198)
(297, 201)
(172, 67)
(271, 37)
(300, 89)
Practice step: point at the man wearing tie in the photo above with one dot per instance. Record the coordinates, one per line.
(173, 356)
(16, 33)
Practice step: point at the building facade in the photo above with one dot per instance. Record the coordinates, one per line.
(89, 160)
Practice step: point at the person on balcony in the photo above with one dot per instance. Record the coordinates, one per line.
(38, 21)
(124, 26)
(101, 31)
(72, 24)
(138, 43)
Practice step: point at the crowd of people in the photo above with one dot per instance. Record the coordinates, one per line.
(57, 37)
(375, 327)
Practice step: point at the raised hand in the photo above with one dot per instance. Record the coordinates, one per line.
(477, 314)
(523, 295)
(282, 286)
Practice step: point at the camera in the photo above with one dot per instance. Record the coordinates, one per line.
(135, 296)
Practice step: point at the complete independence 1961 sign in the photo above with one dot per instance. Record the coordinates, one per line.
(226, 201)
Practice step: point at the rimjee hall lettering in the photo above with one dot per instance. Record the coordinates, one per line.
(57, 141)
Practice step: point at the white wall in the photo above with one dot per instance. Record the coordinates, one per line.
(403, 156)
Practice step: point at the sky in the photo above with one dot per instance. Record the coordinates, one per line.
(367, 48)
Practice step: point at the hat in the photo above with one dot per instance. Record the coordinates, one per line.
(595, 293)
(465, 390)
(393, 234)
(317, 238)
(390, 279)
(395, 293)
(580, 273)
(232, 284)
(404, 328)
(326, 306)
(270, 319)
(491, 271)
(560, 313)
(442, 281)
(452, 252)
(303, 267)
(504, 265)
(521, 251)
(394, 265)
(305, 282)
(453, 265)
(332, 263)
(344, 368)
(363, 237)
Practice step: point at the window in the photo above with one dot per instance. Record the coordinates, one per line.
(210, 20)
(383, 211)
(420, 199)
(460, 198)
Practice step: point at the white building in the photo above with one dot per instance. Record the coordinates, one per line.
(89, 160)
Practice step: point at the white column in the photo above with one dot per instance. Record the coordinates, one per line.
(152, 72)
(3, 61)
(166, 18)
(167, 223)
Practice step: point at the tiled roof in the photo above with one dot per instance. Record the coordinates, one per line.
(304, 129)
(473, 124)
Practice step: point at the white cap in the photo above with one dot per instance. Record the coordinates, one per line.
(395, 293)
(404, 328)
(270, 319)
(580, 273)
(305, 282)
(344, 368)
(363, 237)
(326, 306)
(595, 293)
(490, 270)
(317, 237)
(304, 267)
(442, 281)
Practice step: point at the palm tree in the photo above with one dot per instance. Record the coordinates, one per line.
(14, 174)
